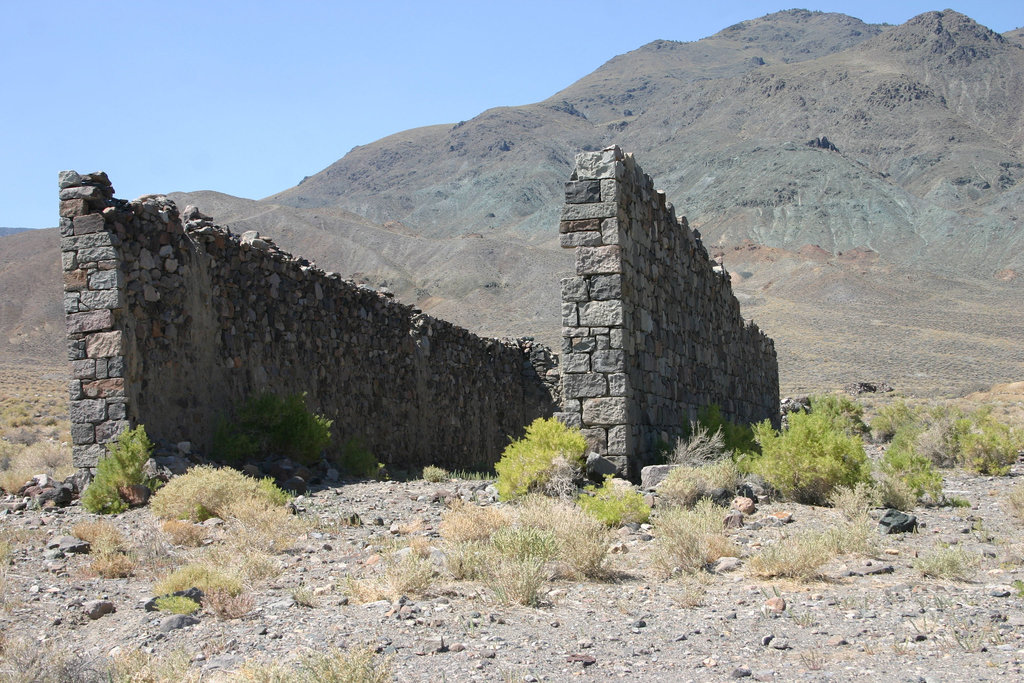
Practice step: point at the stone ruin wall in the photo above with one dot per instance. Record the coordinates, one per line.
(651, 330)
(171, 327)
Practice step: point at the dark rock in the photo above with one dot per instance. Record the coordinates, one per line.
(896, 522)
(94, 609)
(69, 544)
(136, 495)
(295, 484)
(599, 467)
(733, 520)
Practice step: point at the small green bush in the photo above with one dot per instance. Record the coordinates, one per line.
(989, 446)
(121, 466)
(204, 577)
(902, 461)
(893, 417)
(738, 438)
(525, 543)
(810, 459)
(615, 503)
(356, 460)
(843, 412)
(177, 604)
(269, 424)
(527, 463)
(435, 474)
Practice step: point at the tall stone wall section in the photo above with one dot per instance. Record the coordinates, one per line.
(173, 326)
(651, 330)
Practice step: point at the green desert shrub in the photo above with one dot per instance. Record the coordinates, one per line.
(358, 461)
(269, 424)
(738, 438)
(205, 491)
(688, 540)
(614, 503)
(527, 463)
(810, 459)
(122, 466)
(893, 417)
(843, 412)
(988, 446)
(177, 604)
(903, 462)
(435, 474)
(205, 577)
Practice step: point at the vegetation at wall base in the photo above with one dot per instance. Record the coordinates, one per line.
(357, 460)
(121, 467)
(738, 438)
(810, 459)
(526, 464)
(615, 503)
(269, 424)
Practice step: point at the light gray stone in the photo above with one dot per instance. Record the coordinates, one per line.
(652, 475)
(598, 260)
(582, 212)
(604, 164)
(601, 314)
(604, 411)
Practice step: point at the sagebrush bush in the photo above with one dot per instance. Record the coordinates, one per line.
(686, 485)
(700, 447)
(615, 503)
(205, 491)
(843, 412)
(184, 533)
(688, 540)
(581, 541)
(525, 542)
(398, 574)
(738, 438)
(799, 556)
(269, 424)
(359, 664)
(1015, 499)
(122, 466)
(810, 459)
(953, 563)
(526, 463)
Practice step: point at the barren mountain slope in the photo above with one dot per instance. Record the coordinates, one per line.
(925, 119)
(31, 311)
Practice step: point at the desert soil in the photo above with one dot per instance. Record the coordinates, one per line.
(875, 617)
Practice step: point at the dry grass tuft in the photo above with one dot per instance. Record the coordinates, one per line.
(685, 485)
(135, 666)
(799, 556)
(111, 555)
(18, 464)
(400, 573)
(700, 448)
(226, 606)
(688, 540)
(185, 533)
(581, 541)
(205, 577)
(955, 564)
(1015, 499)
(467, 522)
(359, 664)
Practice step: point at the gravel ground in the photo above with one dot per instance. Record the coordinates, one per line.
(873, 617)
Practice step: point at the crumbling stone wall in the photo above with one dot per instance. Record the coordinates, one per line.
(171, 326)
(651, 329)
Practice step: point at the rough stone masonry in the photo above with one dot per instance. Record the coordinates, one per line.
(651, 330)
(173, 326)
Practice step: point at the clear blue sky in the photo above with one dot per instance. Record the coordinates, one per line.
(247, 97)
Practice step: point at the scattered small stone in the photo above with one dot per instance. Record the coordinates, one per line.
(747, 507)
(775, 605)
(585, 660)
(1000, 591)
(726, 564)
(740, 672)
(176, 621)
(733, 520)
(94, 609)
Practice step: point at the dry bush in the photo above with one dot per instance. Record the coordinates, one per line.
(468, 522)
(561, 479)
(581, 541)
(435, 474)
(205, 577)
(402, 573)
(136, 666)
(359, 664)
(24, 660)
(894, 492)
(1016, 501)
(19, 464)
(953, 563)
(799, 556)
(204, 492)
(467, 560)
(685, 485)
(854, 501)
(688, 540)
(516, 580)
(255, 525)
(226, 606)
(700, 448)
(185, 533)
(110, 553)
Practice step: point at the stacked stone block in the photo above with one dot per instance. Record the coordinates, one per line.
(173, 325)
(651, 329)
